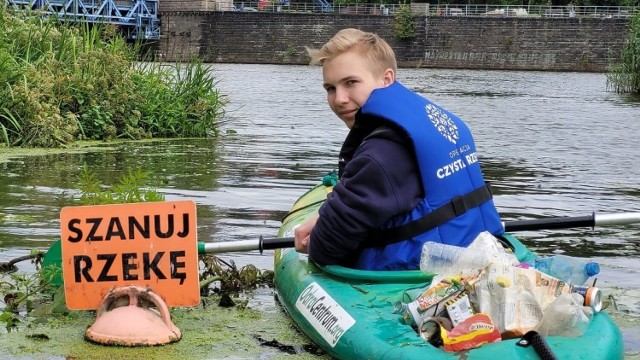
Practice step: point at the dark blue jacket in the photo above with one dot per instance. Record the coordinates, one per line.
(382, 183)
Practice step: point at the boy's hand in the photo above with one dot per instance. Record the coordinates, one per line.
(302, 235)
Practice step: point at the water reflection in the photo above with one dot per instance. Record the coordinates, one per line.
(552, 144)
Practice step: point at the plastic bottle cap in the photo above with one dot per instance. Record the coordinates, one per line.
(592, 268)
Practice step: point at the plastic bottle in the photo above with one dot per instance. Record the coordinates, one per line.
(410, 315)
(566, 316)
(449, 260)
(571, 270)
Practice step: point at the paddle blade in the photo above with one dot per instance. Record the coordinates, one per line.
(52, 264)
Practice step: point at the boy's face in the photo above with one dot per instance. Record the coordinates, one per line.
(349, 79)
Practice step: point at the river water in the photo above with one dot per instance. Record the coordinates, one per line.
(552, 144)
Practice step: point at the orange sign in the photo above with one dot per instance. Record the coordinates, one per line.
(145, 244)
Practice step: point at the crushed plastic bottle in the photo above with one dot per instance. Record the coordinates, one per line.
(449, 260)
(569, 269)
(566, 316)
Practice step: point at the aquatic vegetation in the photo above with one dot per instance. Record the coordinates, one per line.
(35, 297)
(63, 82)
(624, 77)
(28, 295)
(232, 280)
(210, 332)
(129, 189)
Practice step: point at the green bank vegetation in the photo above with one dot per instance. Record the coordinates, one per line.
(624, 77)
(60, 83)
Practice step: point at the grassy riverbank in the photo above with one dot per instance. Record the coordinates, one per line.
(62, 83)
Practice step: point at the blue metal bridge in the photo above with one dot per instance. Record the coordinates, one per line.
(138, 18)
(325, 5)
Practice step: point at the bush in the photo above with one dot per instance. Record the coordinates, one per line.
(404, 23)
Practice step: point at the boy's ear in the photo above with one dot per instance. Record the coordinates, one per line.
(389, 77)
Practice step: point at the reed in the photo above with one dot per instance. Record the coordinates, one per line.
(624, 77)
(181, 99)
(63, 82)
(129, 189)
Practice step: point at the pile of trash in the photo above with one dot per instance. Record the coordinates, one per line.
(482, 294)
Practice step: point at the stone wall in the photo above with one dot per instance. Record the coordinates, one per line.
(557, 44)
(560, 44)
(257, 37)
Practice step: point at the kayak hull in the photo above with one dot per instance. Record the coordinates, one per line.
(348, 312)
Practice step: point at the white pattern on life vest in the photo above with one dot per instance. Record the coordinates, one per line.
(445, 125)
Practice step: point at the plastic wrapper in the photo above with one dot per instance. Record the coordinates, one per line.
(471, 333)
(428, 303)
(514, 297)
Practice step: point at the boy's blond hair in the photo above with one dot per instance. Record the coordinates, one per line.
(368, 44)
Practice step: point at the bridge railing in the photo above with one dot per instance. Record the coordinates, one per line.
(533, 11)
(437, 10)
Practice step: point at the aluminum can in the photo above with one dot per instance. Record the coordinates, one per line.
(592, 296)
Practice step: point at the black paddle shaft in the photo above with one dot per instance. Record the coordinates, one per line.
(551, 223)
(564, 222)
(276, 243)
(517, 225)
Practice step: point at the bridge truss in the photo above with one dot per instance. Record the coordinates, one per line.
(138, 18)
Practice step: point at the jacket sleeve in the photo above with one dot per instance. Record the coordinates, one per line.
(380, 182)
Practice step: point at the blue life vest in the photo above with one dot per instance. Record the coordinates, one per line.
(449, 168)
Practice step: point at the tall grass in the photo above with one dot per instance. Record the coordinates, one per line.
(61, 82)
(624, 77)
(179, 101)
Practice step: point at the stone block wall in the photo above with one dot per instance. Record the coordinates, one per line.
(556, 44)
(277, 38)
(559, 44)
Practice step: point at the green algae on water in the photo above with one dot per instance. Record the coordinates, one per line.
(208, 332)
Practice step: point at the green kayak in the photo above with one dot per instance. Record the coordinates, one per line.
(349, 313)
